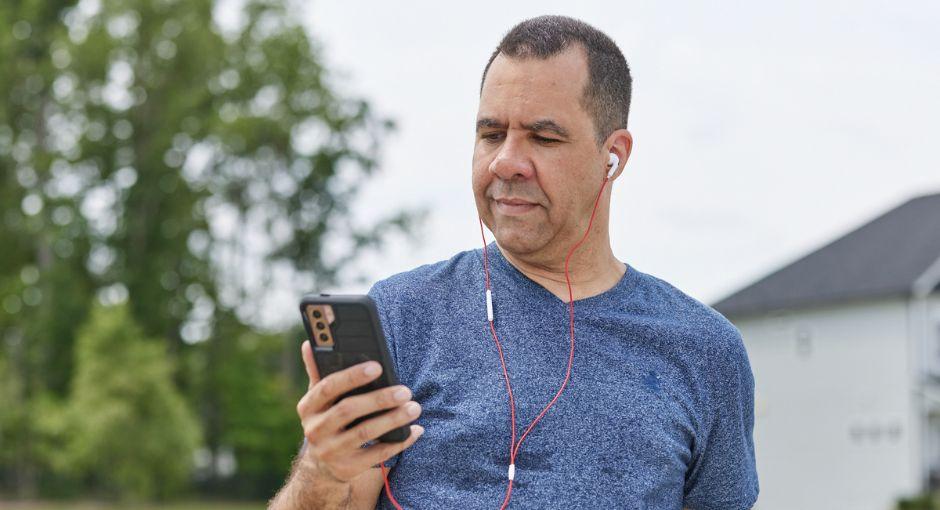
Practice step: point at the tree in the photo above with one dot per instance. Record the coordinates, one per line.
(151, 156)
(124, 428)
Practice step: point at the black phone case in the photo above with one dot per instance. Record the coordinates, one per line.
(357, 337)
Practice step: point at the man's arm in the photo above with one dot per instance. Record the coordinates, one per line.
(307, 488)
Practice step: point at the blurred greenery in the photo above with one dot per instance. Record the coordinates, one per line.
(162, 175)
(193, 505)
(124, 423)
(924, 501)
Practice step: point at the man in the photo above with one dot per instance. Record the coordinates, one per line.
(658, 410)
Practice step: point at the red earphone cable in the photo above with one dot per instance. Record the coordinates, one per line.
(513, 446)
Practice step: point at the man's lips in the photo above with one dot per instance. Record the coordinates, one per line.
(514, 206)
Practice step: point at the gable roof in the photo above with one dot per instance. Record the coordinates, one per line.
(897, 253)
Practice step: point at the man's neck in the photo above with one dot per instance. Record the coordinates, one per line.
(593, 270)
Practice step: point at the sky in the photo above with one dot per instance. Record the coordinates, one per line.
(763, 130)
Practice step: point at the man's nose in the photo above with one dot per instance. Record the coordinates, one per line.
(512, 160)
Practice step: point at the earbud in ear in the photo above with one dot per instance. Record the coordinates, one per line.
(614, 162)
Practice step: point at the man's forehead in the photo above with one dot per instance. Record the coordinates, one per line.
(568, 69)
(531, 90)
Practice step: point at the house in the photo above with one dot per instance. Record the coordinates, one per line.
(844, 344)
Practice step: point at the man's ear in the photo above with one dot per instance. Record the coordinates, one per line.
(620, 142)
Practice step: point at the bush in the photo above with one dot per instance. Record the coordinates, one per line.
(921, 502)
(124, 428)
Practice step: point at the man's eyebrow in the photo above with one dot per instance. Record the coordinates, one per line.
(488, 123)
(547, 125)
(539, 125)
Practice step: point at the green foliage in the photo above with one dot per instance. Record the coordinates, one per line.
(10, 415)
(124, 427)
(259, 418)
(152, 157)
(924, 501)
(97, 505)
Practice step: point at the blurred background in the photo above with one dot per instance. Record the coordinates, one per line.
(174, 174)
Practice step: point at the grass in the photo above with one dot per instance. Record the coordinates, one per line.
(92, 505)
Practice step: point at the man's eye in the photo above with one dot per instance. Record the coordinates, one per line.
(542, 139)
(492, 137)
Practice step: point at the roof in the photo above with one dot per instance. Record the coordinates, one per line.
(890, 255)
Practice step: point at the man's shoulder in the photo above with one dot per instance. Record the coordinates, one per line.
(432, 279)
(706, 339)
(697, 321)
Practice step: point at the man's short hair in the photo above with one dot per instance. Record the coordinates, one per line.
(606, 96)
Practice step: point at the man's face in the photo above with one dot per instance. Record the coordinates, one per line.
(536, 165)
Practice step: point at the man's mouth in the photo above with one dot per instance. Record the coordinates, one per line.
(514, 206)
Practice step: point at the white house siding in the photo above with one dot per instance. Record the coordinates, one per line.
(833, 417)
(926, 395)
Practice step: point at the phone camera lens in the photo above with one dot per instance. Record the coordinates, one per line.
(320, 325)
(324, 337)
(317, 314)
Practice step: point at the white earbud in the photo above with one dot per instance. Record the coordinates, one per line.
(614, 162)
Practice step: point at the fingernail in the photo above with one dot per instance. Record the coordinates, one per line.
(402, 394)
(372, 369)
(413, 409)
(419, 431)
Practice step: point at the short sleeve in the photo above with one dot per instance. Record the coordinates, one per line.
(383, 304)
(722, 474)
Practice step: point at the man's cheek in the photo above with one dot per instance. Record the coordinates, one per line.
(479, 182)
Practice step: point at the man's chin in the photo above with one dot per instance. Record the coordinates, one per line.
(518, 242)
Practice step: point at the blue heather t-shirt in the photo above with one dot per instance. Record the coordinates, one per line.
(657, 414)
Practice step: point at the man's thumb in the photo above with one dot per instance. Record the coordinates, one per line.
(306, 352)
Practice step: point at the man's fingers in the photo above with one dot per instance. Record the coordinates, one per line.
(337, 417)
(306, 352)
(376, 426)
(331, 387)
(347, 464)
(324, 419)
(380, 452)
(323, 393)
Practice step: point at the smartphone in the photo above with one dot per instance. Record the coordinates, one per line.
(344, 330)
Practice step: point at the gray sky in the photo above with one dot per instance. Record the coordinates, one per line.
(762, 130)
